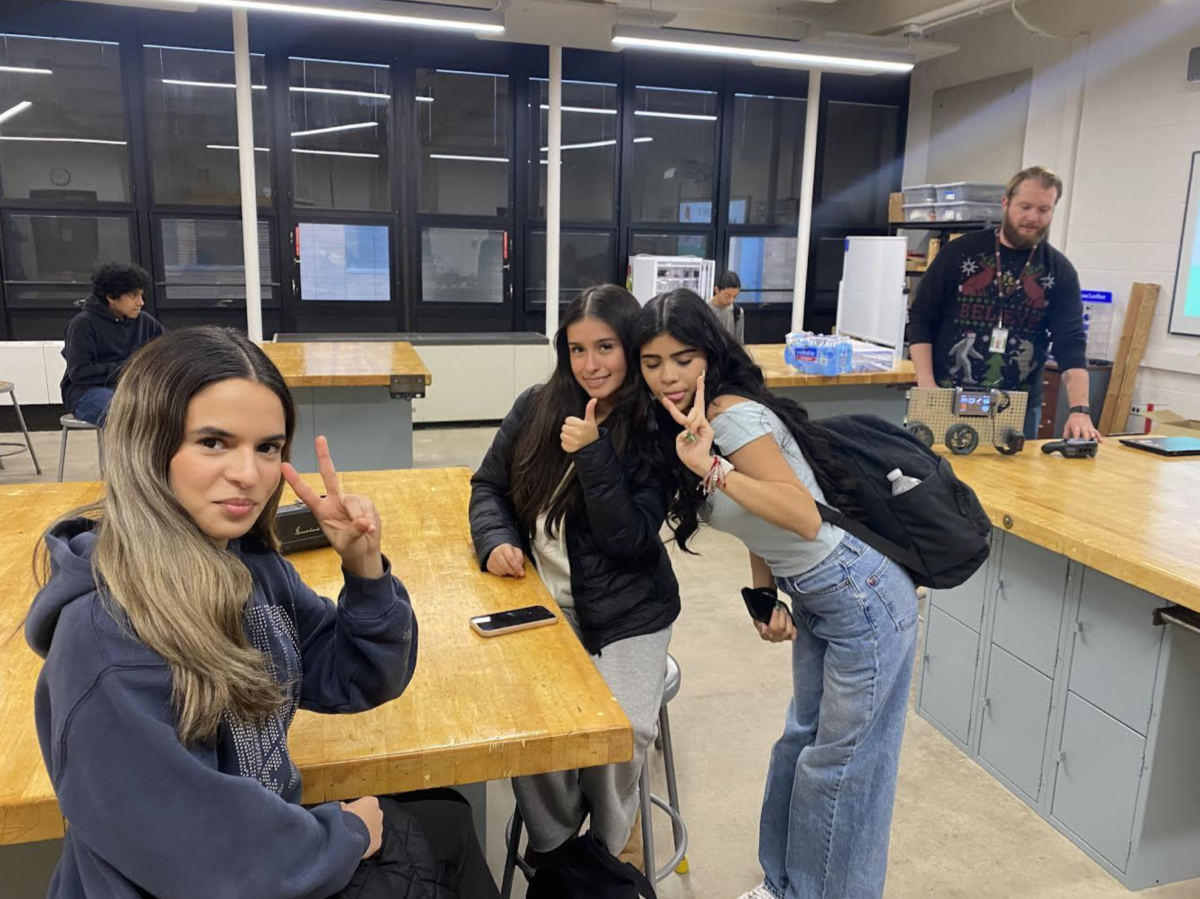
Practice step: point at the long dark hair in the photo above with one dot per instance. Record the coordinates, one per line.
(539, 463)
(730, 370)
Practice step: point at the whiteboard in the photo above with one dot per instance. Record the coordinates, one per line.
(872, 303)
(1185, 304)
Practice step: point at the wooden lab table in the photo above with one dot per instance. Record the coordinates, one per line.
(1055, 670)
(881, 393)
(477, 709)
(358, 394)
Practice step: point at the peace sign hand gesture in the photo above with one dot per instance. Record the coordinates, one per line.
(694, 443)
(579, 432)
(350, 522)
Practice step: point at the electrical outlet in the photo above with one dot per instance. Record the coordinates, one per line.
(1135, 409)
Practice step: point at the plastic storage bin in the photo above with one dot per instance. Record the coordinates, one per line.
(920, 212)
(920, 193)
(968, 212)
(969, 192)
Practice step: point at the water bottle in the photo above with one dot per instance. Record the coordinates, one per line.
(845, 356)
(901, 483)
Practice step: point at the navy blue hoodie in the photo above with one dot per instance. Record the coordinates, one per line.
(150, 815)
(98, 342)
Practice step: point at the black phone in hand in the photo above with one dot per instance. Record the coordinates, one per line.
(760, 602)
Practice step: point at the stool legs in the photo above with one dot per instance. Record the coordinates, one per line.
(664, 728)
(24, 430)
(100, 449)
(62, 454)
(647, 823)
(513, 841)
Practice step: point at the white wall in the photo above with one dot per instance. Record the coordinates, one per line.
(1111, 110)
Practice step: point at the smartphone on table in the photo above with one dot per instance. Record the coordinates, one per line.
(513, 620)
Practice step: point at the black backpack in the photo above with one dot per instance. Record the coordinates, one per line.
(585, 869)
(938, 530)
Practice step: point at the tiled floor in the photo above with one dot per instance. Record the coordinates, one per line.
(957, 832)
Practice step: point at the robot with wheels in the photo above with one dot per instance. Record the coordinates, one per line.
(963, 415)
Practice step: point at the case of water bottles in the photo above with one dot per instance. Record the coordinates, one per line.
(819, 354)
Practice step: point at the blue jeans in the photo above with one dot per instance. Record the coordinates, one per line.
(93, 405)
(827, 812)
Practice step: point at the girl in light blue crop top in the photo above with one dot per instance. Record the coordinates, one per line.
(751, 464)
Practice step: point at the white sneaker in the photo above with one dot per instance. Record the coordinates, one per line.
(759, 892)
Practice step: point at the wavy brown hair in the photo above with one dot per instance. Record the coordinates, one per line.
(181, 593)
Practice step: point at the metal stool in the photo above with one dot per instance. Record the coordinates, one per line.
(11, 449)
(70, 423)
(678, 862)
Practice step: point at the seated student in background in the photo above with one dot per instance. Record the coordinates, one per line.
(753, 465)
(731, 316)
(566, 483)
(99, 339)
(179, 644)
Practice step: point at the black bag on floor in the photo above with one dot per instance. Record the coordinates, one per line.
(585, 869)
(938, 530)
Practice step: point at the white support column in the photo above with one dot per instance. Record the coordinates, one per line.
(245, 127)
(553, 193)
(807, 176)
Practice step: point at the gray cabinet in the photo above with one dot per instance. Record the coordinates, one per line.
(1115, 623)
(948, 673)
(1030, 593)
(1016, 715)
(1096, 787)
(965, 603)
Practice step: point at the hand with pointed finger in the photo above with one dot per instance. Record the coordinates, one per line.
(350, 523)
(694, 443)
(579, 432)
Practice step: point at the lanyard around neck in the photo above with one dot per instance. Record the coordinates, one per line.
(1001, 296)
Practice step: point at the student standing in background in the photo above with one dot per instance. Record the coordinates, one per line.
(725, 293)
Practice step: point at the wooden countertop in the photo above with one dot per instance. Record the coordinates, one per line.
(477, 709)
(1128, 513)
(778, 373)
(345, 364)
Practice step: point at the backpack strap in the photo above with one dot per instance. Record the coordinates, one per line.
(893, 551)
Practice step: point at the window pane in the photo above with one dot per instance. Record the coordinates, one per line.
(462, 133)
(766, 266)
(670, 245)
(63, 248)
(343, 262)
(585, 259)
(673, 155)
(191, 114)
(860, 163)
(202, 259)
(589, 150)
(340, 134)
(460, 265)
(66, 138)
(768, 149)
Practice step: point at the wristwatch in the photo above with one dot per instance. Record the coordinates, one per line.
(1086, 410)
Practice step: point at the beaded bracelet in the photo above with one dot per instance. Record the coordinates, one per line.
(717, 475)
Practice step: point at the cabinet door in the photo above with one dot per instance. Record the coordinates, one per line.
(964, 602)
(1016, 714)
(1030, 593)
(948, 673)
(1099, 771)
(1115, 656)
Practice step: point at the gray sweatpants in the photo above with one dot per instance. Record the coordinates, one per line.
(554, 805)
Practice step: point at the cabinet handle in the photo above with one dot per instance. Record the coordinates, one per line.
(987, 703)
(1060, 757)
(1079, 627)
(925, 658)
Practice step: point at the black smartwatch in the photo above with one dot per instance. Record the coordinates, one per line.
(1086, 410)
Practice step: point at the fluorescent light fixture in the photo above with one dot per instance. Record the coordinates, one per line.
(761, 50)
(181, 83)
(233, 147)
(67, 140)
(675, 115)
(404, 15)
(353, 127)
(342, 62)
(22, 70)
(468, 158)
(642, 140)
(14, 110)
(587, 146)
(339, 93)
(475, 74)
(424, 99)
(595, 110)
(569, 81)
(335, 153)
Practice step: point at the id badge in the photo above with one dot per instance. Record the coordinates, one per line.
(999, 340)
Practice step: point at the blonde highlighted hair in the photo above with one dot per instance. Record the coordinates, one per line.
(181, 594)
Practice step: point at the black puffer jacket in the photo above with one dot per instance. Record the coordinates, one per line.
(621, 577)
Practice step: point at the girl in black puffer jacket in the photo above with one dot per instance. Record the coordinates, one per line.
(567, 484)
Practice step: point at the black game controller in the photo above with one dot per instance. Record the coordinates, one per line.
(1073, 448)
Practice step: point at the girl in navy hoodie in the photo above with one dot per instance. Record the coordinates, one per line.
(179, 645)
